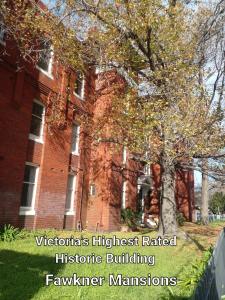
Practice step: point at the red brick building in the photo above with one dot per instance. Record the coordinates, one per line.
(52, 177)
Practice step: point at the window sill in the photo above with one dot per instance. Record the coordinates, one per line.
(69, 213)
(80, 97)
(36, 138)
(49, 75)
(75, 153)
(26, 211)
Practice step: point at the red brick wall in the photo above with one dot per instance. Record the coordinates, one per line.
(184, 192)
(14, 119)
(107, 171)
(17, 92)
(98, 164)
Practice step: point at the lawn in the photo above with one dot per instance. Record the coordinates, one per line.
(23, 266)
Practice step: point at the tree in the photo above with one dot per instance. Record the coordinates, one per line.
(211, 80)
(204, 193)
(158, 48)
(217, 203)
(161, 113)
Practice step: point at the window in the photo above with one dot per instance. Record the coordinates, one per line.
(147, 170)
(2, 32)
(124, 155)
(71, 184)
(37, 122)
(75, 139)
(29, 189)
(92, 190)
(46, 57)
(124, 191)
(79, 85)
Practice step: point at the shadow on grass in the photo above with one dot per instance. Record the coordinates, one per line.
(23, 274)
(197, 244)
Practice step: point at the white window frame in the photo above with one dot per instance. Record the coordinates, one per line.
(70, 211)
(30, 210)
(33, 137)
(124, 194)
(2, 34)
(124, 155)
(50, 66)
(147, 170)
(81, 97)
(76, 151)
(92, 190)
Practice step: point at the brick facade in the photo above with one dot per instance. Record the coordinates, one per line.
(98, 167)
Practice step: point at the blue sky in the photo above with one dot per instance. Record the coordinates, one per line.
(197, 174)
(198, 178)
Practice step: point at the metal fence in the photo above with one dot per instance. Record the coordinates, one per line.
(212, 217)
(212, 284)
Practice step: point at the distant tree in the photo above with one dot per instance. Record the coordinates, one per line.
(217, 203)
(212, 80)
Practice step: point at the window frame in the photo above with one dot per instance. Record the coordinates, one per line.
(81, 97)
(147, 170)
(49, 72)
(92, 191)
(33, 137)
(71, 211)
(124, 194)
(124, 155)
(76, 151)
(30, 210)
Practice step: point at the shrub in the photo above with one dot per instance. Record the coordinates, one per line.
(217, 203)
(129, 217)
(180, 218)
(193, 275)
(25, 233)
(9, 233)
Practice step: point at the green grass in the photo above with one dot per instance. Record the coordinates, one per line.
(23, 267)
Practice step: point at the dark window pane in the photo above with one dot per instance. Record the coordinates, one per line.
(68, 199)
(43, 63)
(35, 127)
(70, 191)
(29, 174)
(70, 182)
(74, 138)
(45, 56)
(27, 195)
(79, 84)
(37, 109)
(92, 190)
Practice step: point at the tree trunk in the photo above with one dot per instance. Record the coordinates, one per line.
(168, 222)
(204, 194)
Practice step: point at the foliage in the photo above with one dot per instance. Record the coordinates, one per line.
(193, 275)
(165, 113)
(9, 233)
(161, 48)
(154, 45)
(180, 218)
(130, 217)
(32, 25)
(217, 203)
